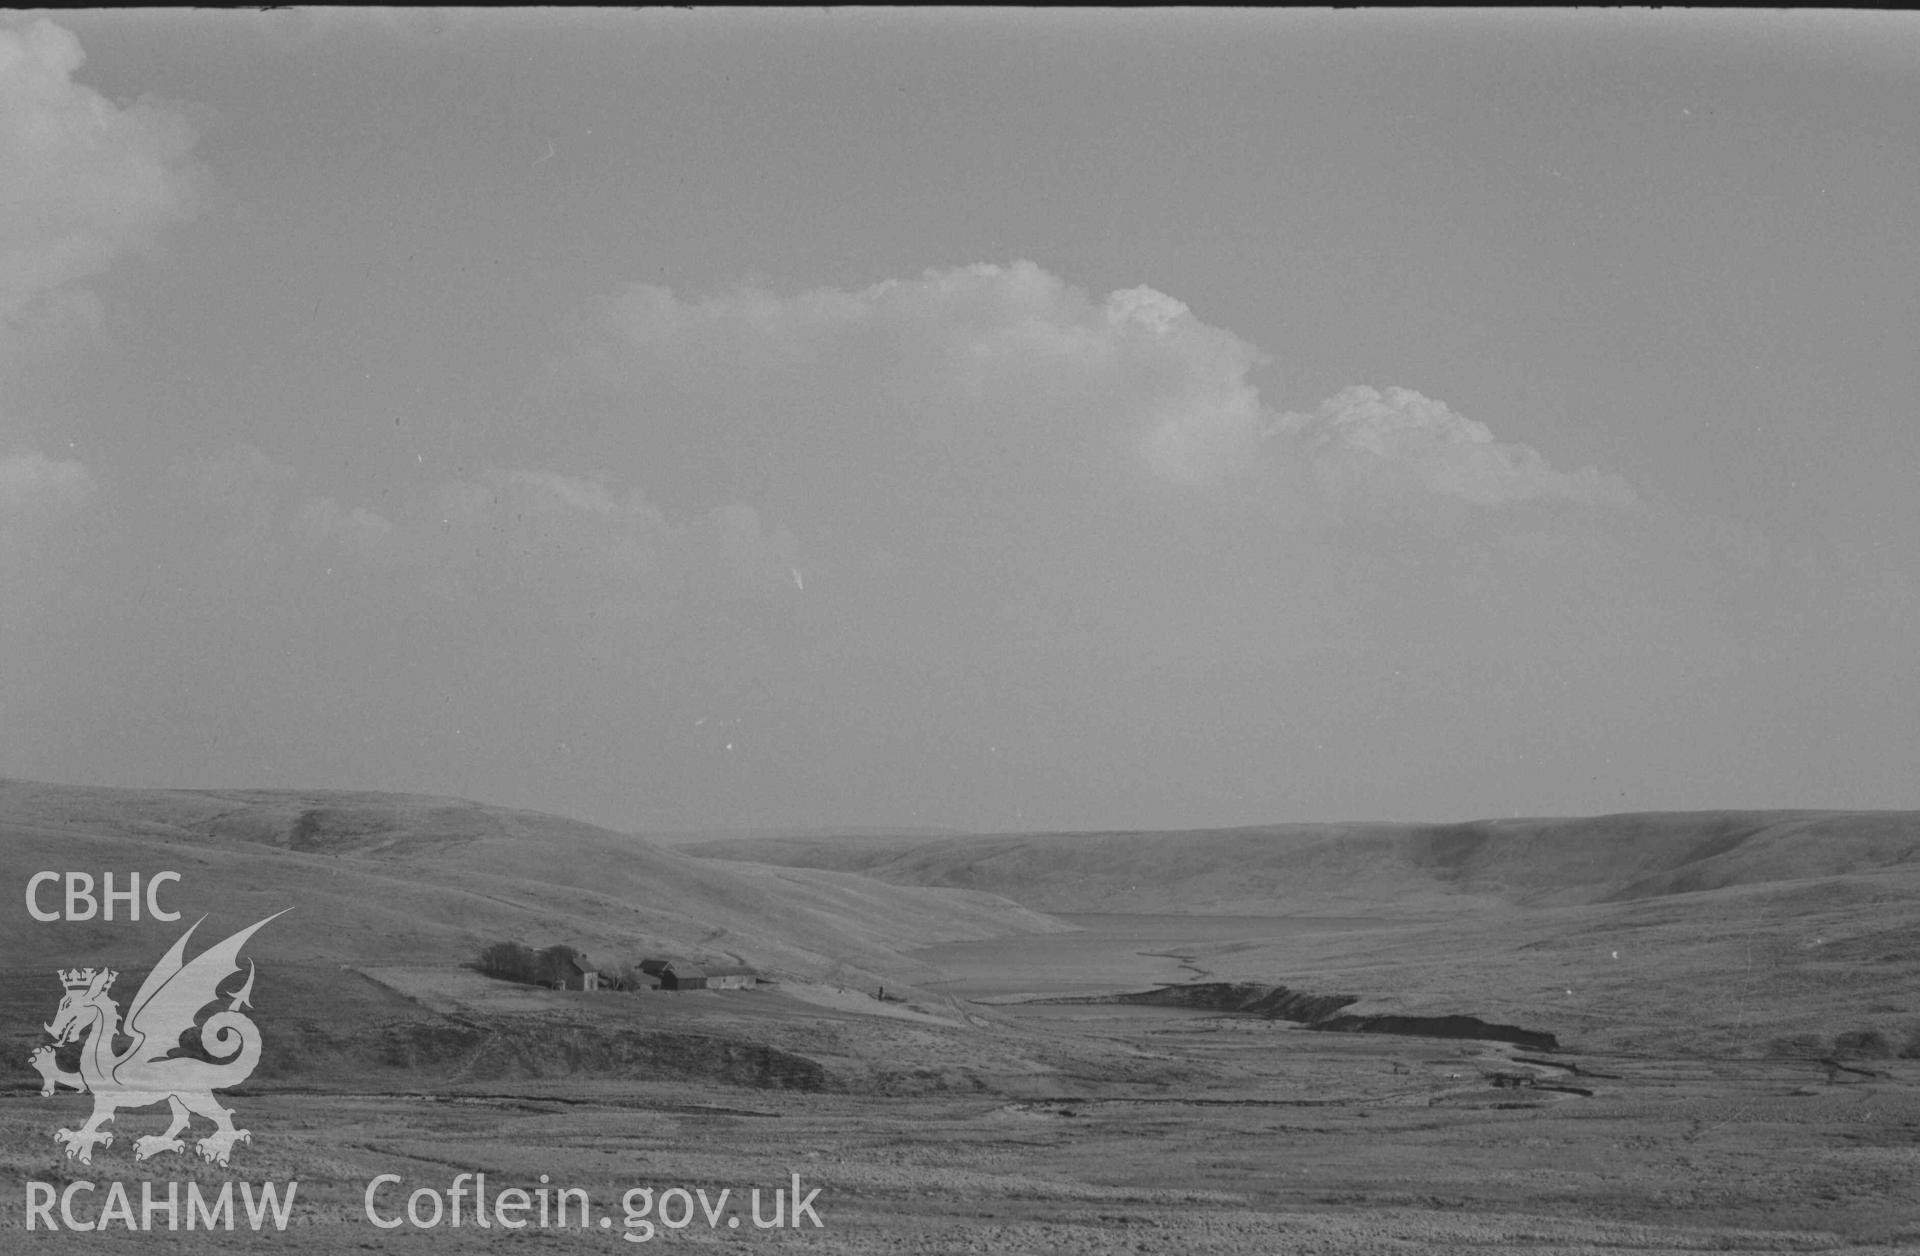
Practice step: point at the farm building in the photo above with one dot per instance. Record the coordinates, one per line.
(558, 967)
(634, 978)
(680, 975)
(675, 974)
(563, 967)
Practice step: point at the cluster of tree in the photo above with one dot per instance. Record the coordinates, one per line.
(555, 967)
(514, 961)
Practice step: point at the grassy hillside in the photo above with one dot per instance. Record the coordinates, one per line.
(380, 878)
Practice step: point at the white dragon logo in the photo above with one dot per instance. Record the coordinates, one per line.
(148, 1071)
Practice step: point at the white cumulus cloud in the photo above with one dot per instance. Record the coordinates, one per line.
(83, 181)
(1362, 439)
(980, 383)
(957, 377)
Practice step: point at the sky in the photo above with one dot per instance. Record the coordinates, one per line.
(979, 420)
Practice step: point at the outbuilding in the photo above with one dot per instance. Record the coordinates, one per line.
(731, 977)
(570, 969)
(680, 975)
(638, 979)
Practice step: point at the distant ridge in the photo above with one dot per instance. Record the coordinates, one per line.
(872, 832)
(1537, 862)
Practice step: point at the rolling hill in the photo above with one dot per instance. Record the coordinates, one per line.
(390, 878)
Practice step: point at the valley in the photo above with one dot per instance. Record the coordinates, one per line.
(958, 1071)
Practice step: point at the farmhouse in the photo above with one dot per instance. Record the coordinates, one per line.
(679, 975)
(576, 972)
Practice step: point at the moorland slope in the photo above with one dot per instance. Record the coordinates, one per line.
(394, 878)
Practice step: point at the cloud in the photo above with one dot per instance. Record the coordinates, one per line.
(736, 555)
(984, 382)
(238, 503)
(35, 488)
(360, 529)
(241, 467)
(86, 181)
(529, 532)
(959, 373)
(577, 530)
(1204, 419)
(1362, 440)
(547, 519)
